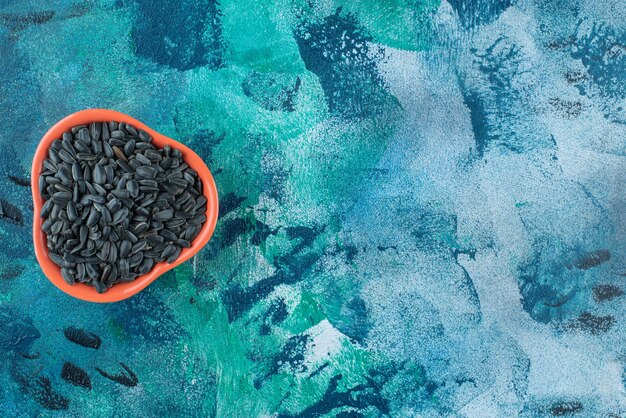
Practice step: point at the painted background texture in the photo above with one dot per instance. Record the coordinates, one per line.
(422, 208)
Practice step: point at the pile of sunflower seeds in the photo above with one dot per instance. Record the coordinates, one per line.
(115, 205)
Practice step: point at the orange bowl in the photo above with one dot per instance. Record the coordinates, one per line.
(118, 291)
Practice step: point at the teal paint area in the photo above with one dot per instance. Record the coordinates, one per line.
(421, 209)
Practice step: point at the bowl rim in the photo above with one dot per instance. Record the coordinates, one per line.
(119, 291)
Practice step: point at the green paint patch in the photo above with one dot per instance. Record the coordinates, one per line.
(117, 330)
(402, 24)
(259, 36)
(307, 314)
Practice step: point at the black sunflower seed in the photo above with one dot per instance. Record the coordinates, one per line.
(57, 259)
(193, 191)
(46, 225)
(189, 178)
(83, 135)
(72, 212)
(153, 155)
(50, 165)
(183, 214)
(142, 159)
(120, 215)
(77, 128)
(67, 146)
(145, 266)
(94, 217)
(96, 146)
(96, 198)
(150, 183)
(140, 245)
(81, 147)
(129, 147)
(80, 271)
(42, 183)
(142, 146)
(131, 129)
(106, 232)
(181, 183)
(106, 271)
(56, 210)
(110, 173)
(147, 201)
(112, 254)
(77, 172)
(99, 286)
(127, 202)
(124, 166)
(100, 189)
(57, 227)
(112, 276)
(85, 156)
(142, 211)
(108, 150)
(90, 187)
(131, 237)
(148, 189)
(133, 188)
(114, 204)
(135, 259)
(95, 129)
(168, 251)
(173, 223)
(182, 243)
(106, 134)
(134, 164)
(156, 225)
(121, 193)
(154, 239)
(46, 208)
(165, 163)
(191, 232)
(67, 276)
(62, 188)
(189, 207)
(106, 215)
(171, 188)
(174, 255)
(144, 136)
(95, 237)
(168, 235)
(61, 198)
(118, 134)
(147, 172)
(124, 267)
(84, 232)
(140, 228)
(103, 254)
(125, 247)
(99, 175)
(164, 215)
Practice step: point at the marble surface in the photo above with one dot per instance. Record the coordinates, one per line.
(422, 208)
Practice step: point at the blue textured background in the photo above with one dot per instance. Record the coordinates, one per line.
(422, 208)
